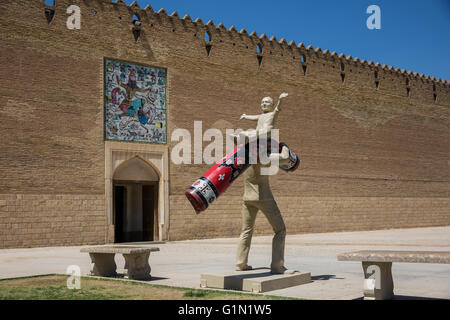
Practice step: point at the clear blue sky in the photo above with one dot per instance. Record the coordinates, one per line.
(415, 34)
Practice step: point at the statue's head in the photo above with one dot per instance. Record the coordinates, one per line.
(267, 104)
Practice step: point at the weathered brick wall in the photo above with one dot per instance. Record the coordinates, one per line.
(40, 220)
(367, 152)
(310, 215)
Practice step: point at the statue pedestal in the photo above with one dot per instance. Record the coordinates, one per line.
(256, 281)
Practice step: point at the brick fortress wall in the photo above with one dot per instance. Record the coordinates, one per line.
(374, 140)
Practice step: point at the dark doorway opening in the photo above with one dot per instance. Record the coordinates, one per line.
(148, 210)
(135, 211)
(120, 201)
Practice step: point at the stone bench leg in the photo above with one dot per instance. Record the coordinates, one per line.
(378, 283)
(137, 266)
(103, 264)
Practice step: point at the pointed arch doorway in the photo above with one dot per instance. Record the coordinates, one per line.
(135, 201)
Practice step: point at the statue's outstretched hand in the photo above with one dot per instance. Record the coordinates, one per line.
(284, 95)
(243, 117)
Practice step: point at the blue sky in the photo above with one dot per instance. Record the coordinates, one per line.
(414, 35)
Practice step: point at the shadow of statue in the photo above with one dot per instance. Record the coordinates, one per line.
(325, 277)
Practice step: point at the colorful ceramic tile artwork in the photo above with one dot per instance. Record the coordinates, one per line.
(135, 103)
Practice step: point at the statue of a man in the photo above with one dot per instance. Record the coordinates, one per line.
(258, 196)
(266, 120)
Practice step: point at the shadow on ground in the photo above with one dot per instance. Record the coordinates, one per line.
(151, 279)
(325, 277)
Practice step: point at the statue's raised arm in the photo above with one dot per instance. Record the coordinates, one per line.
(282, 96)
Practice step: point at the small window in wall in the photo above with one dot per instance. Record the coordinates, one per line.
(136, 21)
(208, 45)
(136, 34)
(259, 48)
(377, 81)
(303, 62)
(49, 14)
(408, 89)
(259, 51)
(260, 59)
(208, 36)
(342, 69)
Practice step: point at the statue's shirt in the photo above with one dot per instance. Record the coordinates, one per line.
(267, 121)
(256, 186)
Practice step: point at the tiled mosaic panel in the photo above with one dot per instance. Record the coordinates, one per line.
(135, 104)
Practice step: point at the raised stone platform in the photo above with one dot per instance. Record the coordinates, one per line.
(257, 280)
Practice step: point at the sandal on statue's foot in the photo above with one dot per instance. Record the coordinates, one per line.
(246, 268)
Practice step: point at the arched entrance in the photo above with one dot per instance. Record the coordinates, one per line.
(135, 201)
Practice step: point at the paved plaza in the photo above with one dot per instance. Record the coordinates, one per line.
(182, 263)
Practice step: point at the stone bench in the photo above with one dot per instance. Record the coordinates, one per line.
(377, 267)
(136, 261)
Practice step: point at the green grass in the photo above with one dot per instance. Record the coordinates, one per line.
(195, 294)
(54, 287)
(58, 293)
